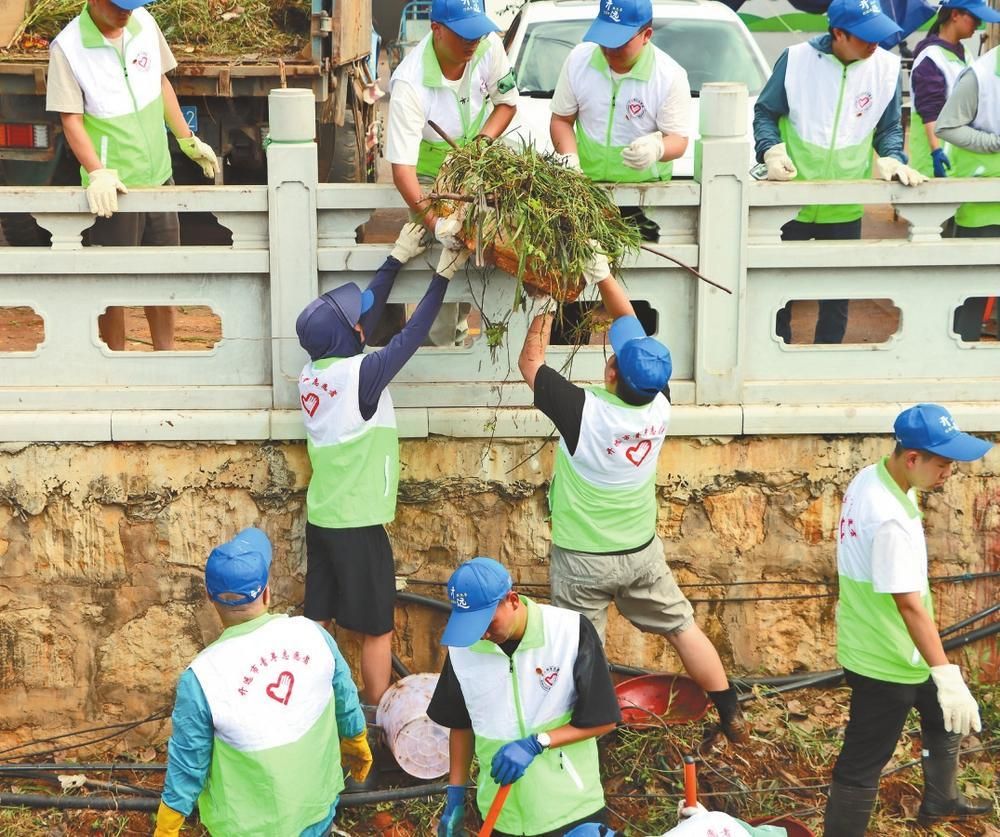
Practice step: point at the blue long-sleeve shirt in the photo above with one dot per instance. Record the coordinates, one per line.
(772, 104)
(189, 751)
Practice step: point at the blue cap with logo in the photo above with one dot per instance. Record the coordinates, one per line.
(474, 590)
(976, 8)
(465, 18)
(643, 362)
(930, 427)
(317, 325)
(618, 21)
(236, 572)
(130, 5)
(863, 19)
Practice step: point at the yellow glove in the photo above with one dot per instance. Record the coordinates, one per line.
(201, 153)
(409, 243)
(102, 193)
(357, 755)
(779, 164)
(168, 821)
(889, 168)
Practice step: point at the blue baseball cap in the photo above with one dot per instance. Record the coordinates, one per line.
(317, 325)
(974, 8)
(463, 17)
(239, 568)
(130, 5)
(618, 21)
(930, 427)
(863, 19)
(474, 590)
(643, 362)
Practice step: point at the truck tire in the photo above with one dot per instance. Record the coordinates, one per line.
(21, 230)
(343, 160)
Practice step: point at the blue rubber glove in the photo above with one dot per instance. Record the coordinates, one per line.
(512, 759)
(454, 813)
(941, 162)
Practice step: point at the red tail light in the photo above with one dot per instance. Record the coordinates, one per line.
(24, 135)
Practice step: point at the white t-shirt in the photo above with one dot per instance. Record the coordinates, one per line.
(898, 565)
(406, 111)
(672, 117)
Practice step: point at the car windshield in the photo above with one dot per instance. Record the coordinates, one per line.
(710, 50)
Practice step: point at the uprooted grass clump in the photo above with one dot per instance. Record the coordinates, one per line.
(540, 218)
(221, 27)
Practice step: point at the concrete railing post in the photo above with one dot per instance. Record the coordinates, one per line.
(292, 181)
(722, 167)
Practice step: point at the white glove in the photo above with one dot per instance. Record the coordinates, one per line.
(408, 244)
(201, 153)
(889, 168)
(570, 161)
(447, 232)
(643, 152)
(597, 269)
(102, 193)
(684, 812)
(451, 261)
(779, 164)
(957, 703)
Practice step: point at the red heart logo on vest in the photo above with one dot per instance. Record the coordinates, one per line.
(551, 678)
(638, 452)
(281, 689)
(635, 108)
(310, 403)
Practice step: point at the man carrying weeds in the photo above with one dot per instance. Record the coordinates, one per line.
(354, 451)
(263, 716)
(887, 640)
(458, 77)
(603, 494)
(526, 689)
(621, 109)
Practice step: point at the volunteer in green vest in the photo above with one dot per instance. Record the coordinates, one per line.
(603, 494)
(827, 104)
(458, 77)
(938, 61)
(621, 110)
(887, 640)
(353, 448)
(525, 689)
(107, 82)
(263, 716)
(970, 122)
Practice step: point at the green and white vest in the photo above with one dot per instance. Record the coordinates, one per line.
(951, 67)
(512, 697)
(603, 496)
(833, 110)
(967, 163)
(872, 638)
(276, 755)
(614, 112)
(122, 97)
(460, 115)
(355, 462)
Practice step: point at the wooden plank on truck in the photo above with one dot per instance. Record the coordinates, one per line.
(11, 15)
(352, 31)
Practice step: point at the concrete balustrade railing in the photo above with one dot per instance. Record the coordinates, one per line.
(295, 237)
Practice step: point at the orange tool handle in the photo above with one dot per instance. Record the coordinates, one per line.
(690, 783)
(494, 813)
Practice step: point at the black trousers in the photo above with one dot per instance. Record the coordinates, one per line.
(878, 711)
(832, 321)
(968, 322)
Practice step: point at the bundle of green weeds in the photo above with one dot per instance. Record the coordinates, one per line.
(550, 216)
(219, 27)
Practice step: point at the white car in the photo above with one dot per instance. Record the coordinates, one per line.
(707, 38)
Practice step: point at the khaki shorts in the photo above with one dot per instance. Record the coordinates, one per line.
(639, 583)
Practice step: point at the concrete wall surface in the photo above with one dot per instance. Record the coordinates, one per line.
(102, 548)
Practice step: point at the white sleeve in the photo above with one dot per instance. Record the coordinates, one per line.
(500, 74)
(406, 125)
(674, 115)
(895, 567)
(564, 101)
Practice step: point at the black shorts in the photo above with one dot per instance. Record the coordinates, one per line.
(351, 578)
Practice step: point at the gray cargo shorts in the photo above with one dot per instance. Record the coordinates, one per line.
(639, 583)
